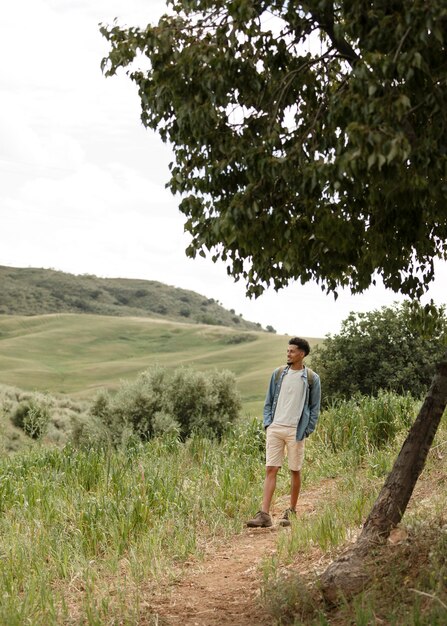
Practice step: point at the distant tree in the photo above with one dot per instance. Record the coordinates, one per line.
(381, 349)
(309, 143)
(270, 329)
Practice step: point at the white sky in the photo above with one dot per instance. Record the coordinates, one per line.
(82, 182)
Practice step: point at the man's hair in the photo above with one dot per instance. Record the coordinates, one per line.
(302, 344)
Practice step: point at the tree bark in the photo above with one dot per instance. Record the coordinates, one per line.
(347, 574)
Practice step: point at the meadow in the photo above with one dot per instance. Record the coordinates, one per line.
(79, 354)
(88, 535)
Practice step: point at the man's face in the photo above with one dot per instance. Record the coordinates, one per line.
(295, 355)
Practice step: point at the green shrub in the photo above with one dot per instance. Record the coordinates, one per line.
(240, 338)
(175, 401)
(32, 416)
(382, 349)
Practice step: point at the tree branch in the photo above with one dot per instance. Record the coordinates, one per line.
(326, 22)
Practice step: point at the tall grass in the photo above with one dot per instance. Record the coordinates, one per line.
(365, 424)
(86, 533)
(73, 518)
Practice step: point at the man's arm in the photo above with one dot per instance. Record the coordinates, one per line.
(314, 404)
(268, 404)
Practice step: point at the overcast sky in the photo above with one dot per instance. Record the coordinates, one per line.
(82, 182)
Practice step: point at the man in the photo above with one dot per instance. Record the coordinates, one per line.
(291, 410)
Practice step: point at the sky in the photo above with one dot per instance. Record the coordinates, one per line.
(82, 183)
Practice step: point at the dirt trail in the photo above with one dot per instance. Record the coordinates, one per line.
(224, 588)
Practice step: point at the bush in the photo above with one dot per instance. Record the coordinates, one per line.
(175, 401)
(382, 349)
(33, 417)
(240, 338)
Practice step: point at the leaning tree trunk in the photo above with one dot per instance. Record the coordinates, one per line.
(347, 574)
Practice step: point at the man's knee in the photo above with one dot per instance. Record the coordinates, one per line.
(271, 470)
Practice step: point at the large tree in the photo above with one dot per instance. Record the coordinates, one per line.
(310, 143)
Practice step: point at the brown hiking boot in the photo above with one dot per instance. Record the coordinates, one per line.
(287, 516)
(260, 520)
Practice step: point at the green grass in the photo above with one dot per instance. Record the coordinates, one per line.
(86, 534)
(75, 525)
(79, 354)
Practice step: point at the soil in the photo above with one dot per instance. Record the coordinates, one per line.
(225, 588)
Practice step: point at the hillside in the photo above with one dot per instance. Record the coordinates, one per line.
(33, 291)
(77, 354)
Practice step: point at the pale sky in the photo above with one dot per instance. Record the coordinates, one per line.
(82, 182)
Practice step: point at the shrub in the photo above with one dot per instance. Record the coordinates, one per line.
(32, 416)
(240, 338)
(382, 349)
(175, 401)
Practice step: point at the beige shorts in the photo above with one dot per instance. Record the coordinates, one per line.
(282, 438)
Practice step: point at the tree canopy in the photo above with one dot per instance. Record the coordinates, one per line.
(309, 138)
(381, 349)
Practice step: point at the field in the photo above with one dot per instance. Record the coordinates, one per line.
(153, 534)
(79, 354)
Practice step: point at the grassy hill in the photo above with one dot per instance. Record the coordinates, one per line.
(34, 291)
(78, 354)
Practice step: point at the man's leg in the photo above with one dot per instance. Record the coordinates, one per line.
(295, 452)
(274, 458)
(269, 487)
(295, 486)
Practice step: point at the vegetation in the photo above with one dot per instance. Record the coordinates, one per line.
(162, 400)
(86, 534)
(32, 417)
(308, 137)
(83, 531)
(27, 416)
(35, 291)
(381, 349)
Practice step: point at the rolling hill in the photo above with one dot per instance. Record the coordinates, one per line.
(34, 291)
(73, 335)
(78, 354)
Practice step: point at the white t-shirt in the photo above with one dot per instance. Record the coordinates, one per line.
(291, 399)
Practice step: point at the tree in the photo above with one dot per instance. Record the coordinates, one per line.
(381, 349)
(301, 158)
(309, 143)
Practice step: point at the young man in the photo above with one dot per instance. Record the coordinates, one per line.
(291, 410)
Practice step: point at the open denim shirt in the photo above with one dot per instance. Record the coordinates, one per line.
(311, 410)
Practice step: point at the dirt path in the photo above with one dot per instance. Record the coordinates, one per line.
(225, 588)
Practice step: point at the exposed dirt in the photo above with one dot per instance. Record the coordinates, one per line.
(225, 588)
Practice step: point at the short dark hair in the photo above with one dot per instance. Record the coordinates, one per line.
(302, 344)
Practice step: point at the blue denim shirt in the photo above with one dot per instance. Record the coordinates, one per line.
(311, 410)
